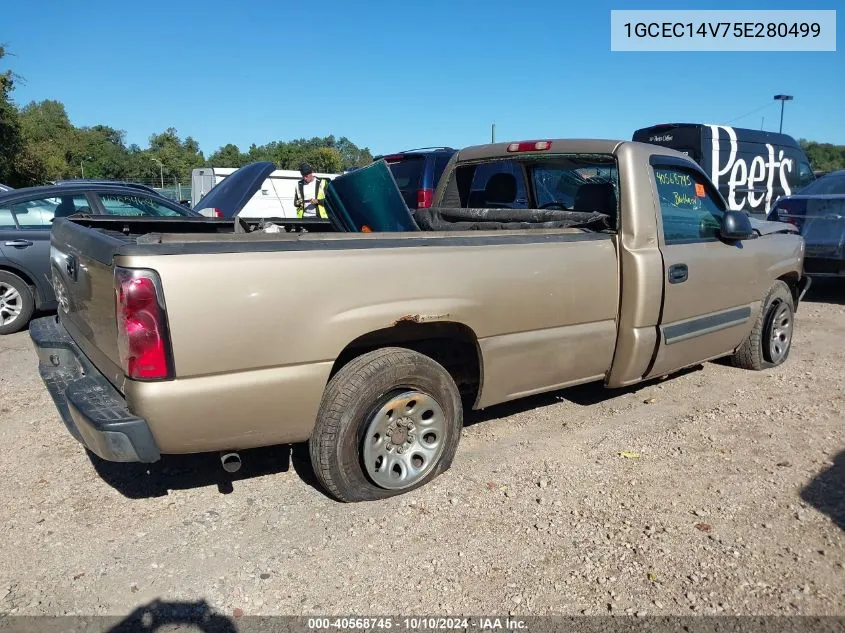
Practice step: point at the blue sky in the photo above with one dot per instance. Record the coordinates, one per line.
(392, 75)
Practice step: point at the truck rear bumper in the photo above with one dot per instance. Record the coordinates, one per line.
(93, 411)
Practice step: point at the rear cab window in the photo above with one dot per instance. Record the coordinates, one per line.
(497, 184)
(583, 183)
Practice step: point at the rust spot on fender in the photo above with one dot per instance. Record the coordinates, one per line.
(420, 318)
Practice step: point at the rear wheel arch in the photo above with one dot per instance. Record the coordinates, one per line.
(451, 344)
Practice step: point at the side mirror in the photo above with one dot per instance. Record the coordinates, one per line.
(736, 225)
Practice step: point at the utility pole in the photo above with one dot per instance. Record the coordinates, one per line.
(783, 99)
(493, 133)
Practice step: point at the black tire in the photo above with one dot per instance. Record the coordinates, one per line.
(756, 351)
(26, 303)
(352, 398)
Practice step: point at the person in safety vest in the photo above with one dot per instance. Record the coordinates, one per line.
(310, 195)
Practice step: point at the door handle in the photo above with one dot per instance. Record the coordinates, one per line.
(678, 273)
(19, 243)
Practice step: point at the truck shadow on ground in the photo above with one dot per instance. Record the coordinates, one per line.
(825, 290)
(826, 492)
(184, 472)
(586, 395)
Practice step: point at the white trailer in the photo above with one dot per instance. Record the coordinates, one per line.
(273, 200)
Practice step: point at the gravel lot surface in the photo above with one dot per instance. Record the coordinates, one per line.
(718, 491)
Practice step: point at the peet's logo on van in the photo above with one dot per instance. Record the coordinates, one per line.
(660, 139)
(749, 186)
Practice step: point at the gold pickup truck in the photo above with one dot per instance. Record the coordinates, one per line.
(541, 264)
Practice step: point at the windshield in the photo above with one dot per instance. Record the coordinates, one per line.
(826, 185)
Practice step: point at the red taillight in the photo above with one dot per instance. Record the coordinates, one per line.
(211, 213)
(142, 338)
(424, 198)
(393, 158)
(529, 146)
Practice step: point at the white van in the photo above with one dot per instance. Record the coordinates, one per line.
(273, 200)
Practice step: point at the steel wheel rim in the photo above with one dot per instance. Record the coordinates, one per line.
(780, 332)
(404, 439)
(11, 303)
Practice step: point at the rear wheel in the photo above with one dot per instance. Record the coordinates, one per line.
(770, 341)
(389, 422)
(16, 303)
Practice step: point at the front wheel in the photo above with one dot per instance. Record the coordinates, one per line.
(389, 422)
(770, 340)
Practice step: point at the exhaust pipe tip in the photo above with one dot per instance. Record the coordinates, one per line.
(231, 462)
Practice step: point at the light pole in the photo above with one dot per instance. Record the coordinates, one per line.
(161, 170)
(82, 165)
(783, 99)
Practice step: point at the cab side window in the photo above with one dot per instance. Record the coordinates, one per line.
(688, 210)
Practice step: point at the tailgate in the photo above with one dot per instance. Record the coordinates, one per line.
(81, 262)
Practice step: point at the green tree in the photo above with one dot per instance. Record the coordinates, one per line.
(102, 151)
(228, 156)
(177, 157)
(46, 121)
(326, 154)
(352, 155)
(324, 159)
(49, 139)
(11, 141)
(824, 156)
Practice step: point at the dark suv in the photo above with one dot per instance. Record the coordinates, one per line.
(416, 172)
